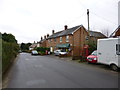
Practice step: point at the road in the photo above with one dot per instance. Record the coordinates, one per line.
(52, 72)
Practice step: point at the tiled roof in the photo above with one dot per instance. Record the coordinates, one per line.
(54, 35)
(96, 34)
(64, 32)
(69, 31)
(33, 45)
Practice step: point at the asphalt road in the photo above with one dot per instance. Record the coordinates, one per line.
(52, 72)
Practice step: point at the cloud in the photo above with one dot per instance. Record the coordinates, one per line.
(32, 19)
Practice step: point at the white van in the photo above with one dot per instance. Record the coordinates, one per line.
(108, 52)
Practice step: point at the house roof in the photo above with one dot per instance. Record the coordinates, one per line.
(54, 35)
(69, 31)
(65, 32)
(113, 34)
(33, 45)
(96, 34)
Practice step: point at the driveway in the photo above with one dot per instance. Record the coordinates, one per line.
(54, 72)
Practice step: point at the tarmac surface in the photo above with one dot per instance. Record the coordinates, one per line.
(53, 72)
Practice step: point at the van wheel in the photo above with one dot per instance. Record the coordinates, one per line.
(114, 67)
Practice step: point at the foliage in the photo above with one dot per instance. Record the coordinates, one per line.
(9, 38)
(25, 47)
(92, 46)
(42, 49)
(9, 50)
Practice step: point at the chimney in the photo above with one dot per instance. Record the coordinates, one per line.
(65, 27)
(44, 37)
(41, 38)
(47, 35)
(53, 31)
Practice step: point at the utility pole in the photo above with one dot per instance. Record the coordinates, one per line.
(88, 21)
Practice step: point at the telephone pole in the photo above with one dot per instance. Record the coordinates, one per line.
(88, 21)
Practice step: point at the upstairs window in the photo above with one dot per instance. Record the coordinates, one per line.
(54, 39)
(60, 39)
(67, 38)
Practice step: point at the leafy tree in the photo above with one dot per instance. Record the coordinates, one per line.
(25, 46)
(92, 46)
(9, 38)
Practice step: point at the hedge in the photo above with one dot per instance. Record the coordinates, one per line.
(42, 49)
(9, 52)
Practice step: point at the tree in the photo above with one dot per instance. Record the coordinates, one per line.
(9, 38)
(25, 47)
(92, 46)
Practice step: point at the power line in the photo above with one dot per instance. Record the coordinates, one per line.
(98, 15)
(104, 18)
(77, 18)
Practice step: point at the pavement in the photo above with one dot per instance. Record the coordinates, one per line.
(53, 72)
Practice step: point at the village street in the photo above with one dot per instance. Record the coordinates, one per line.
(52, 72)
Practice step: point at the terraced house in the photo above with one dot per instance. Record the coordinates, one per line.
(70, 39)
(74, 40)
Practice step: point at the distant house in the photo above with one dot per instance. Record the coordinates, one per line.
(116, 33)
(94, 35)
(33, 46)
(43, 41)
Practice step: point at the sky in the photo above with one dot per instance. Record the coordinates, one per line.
(28, 20)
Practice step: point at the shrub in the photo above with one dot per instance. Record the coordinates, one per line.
(92, 46)
(42, 49)
(9, 52)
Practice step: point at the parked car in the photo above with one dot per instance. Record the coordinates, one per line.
(60, 52)
(56, 52)
(93, 57)
(34, 52)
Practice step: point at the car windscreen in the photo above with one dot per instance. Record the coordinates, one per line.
(94, 53)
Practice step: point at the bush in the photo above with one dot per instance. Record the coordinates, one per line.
(92, 46)
(42, 49)
(9, 52)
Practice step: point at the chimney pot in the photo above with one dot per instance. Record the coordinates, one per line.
(53, 31)
(65, 27)
(47, 35)
(44, 37)
(41, 38)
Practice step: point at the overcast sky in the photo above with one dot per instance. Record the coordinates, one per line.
(28, 20)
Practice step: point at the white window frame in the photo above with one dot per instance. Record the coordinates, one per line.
(60, 39)
(67, 38)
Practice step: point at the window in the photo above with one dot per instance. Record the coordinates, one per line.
(48, 40)
(54, 39)
(118, 49)
(60, 39)
(67, 38)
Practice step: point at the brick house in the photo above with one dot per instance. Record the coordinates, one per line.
(42, 42)
(70, 39)
(116, 33)
(94, 35)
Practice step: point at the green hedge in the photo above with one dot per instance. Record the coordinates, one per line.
(42, 49)
(9, 52)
